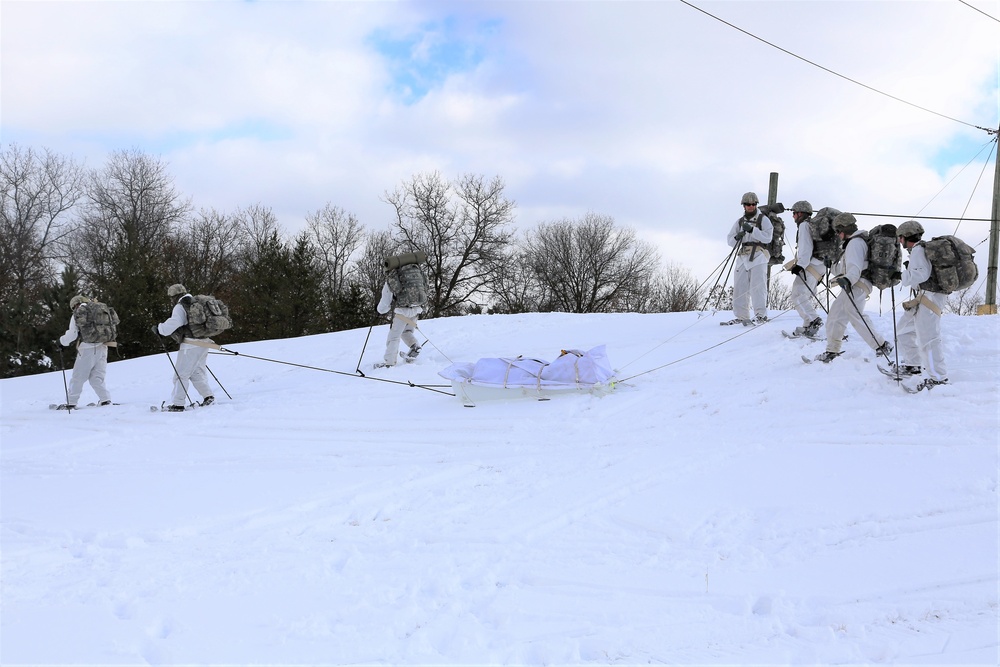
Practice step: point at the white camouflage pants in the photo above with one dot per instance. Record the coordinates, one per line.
(750, 287)
(919, 336)
(400, 329)
(803, 289)
(190, 366)
(91, 365)
(842, 312)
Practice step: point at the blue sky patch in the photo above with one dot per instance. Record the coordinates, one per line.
(960, 151)
(421, 61)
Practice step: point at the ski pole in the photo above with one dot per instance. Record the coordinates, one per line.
(725, 268)
(895, 337)
(62, 364)
(828, 290)
(850, 296)
(811, 291)
(176, 374)
(217, 382)
(717, 268)
(358, 369)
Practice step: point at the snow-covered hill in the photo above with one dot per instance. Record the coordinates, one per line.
(733, 505)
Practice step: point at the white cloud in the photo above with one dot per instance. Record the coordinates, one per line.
(651, 112)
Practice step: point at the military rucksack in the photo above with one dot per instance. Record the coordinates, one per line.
(952, 265)
(826, 246)
(207, 316)
(97, 322)
(885, 257)
(408, 284)
(776, 247)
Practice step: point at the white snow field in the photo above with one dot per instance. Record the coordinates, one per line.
(733, 506)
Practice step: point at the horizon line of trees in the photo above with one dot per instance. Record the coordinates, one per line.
(122, 233)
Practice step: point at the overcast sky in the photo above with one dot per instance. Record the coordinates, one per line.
(651, 112)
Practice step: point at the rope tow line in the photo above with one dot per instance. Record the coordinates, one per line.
(220, 349)
(695, 354)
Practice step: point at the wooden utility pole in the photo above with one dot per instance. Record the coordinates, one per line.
(772, 197)
(990, 308)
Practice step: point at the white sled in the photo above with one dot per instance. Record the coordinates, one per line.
(520, 377)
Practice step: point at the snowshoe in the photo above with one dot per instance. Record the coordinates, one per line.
(930, 383)
(901, 370)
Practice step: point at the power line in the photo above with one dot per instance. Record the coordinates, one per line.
(990, 144)
(969, 202)
(924, 217)
(980, 11)
(827, 69)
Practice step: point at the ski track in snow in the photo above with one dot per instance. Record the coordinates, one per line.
(736, 506)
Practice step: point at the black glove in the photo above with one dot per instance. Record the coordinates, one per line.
(739, 236)
(746, 227)
(844, 283)
(796, 270)
(906, 264)
(896, 275)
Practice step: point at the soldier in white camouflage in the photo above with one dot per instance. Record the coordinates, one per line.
(807, 272)
(919, 328)
(405, 294)
(91, 361)
(751, 234)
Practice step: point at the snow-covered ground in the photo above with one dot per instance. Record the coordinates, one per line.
(735, 505)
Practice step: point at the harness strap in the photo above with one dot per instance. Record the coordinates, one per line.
(202, 343)
(926, 301)
(406, 319)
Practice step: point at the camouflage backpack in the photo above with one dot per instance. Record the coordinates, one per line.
(777, 244)
(885, 257)
(207, 316)
(97, 322)
(952, 265)
(408, 284)
(826, 246)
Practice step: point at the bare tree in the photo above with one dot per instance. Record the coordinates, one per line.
(258, 229)
(205, 253)
(965, 302)
(369, 271)
(590, 265)
(132, 208)
(336, 235)
(513, 285)
(463, 229)
(131, 212)
(675, 290)
(37, 190)
(779, 295)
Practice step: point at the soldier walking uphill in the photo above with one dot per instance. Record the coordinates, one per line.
(752, 233)
(95, 329)
(191, 359)
(848, 307)
(405, 294)
(807, 271)
(920, 325)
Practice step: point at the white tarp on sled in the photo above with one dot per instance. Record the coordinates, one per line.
(510, 377)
